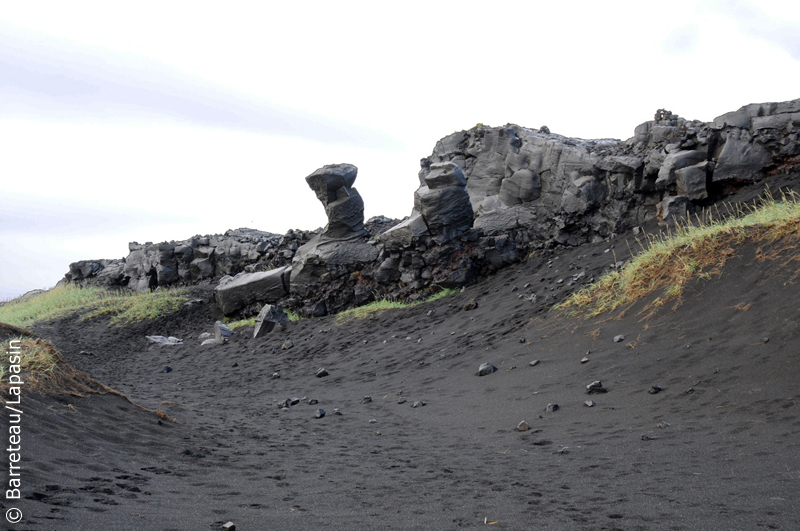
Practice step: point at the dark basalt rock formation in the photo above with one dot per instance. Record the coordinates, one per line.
(342, 245)
(333, 185)
(487, 197)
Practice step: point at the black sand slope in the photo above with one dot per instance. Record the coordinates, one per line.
(716, 448)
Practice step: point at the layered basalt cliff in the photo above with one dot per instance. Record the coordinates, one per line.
(487, 196)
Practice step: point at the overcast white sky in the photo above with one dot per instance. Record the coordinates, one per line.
(154, 121)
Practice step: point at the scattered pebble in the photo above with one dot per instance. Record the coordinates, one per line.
(654, 389)
(373, 421)
(230, 526)
(589, 403)
(486, 368)
(470, 305)
(766, 340)
(514, 289)
(551, 408)
(321, 373)
(619, 339)
(275, 375)
(401, 400)
(562, 450)
(596, 387)
(294, 401)
(534, 363)
(663, 424)
(418, 403)
(319, 413)
(313, 402)
(287, 344)
(584, 360)
(283, 404)
(431, 313)
(646, 437)
(523, 426)
(522, 340)
(167, 368)
(366, 400)
(689, 391)
(336, 411)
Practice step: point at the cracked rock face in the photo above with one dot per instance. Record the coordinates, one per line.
(443, 202)
(333, 186)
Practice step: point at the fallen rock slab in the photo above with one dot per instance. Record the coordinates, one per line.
(161, 340)
(247, 288)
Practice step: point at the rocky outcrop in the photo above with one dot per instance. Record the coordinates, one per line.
(187, 262)
(571, 191)
(487, 197)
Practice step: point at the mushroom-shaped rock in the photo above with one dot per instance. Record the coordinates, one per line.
(333, 186)
(342, 245)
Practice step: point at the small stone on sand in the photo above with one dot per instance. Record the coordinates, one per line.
(486, 368)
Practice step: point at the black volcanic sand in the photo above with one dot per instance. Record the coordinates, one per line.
(726, 457)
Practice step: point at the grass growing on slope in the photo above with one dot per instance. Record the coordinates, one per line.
(39, 366)
(388, 304)
(57, 302)
(92, 302)
(133, 307)
(668, 262)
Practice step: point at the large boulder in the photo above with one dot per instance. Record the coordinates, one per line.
(405, 233)
(247, 288)
(324, 258)
(742, 158)
(691, 180)
(675, 161)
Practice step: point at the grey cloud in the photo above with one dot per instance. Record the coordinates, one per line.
(57, 80)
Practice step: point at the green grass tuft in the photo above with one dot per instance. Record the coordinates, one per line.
(92, 302)
(388, 304)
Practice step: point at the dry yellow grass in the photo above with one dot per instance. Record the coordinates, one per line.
(666, 264)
